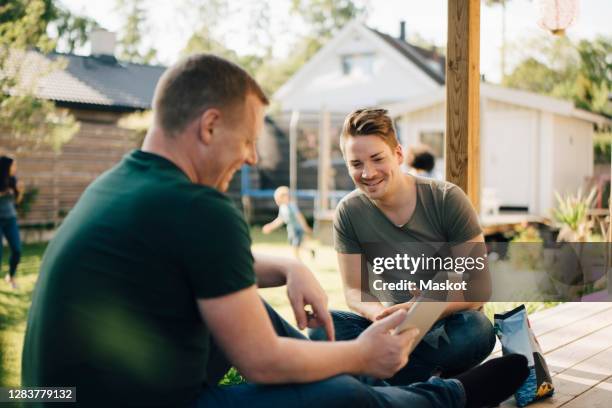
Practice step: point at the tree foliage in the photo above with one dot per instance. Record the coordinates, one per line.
(72, 30)
(22, 114)
(322, 17)
(558, 67)
(325, 17)
(132, 32)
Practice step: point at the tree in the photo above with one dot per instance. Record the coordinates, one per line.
(532, 75)
(594, 80)
(72, 29)
(558, 67)
(22, 114)
(324, 18)
(131, 34)
(502, 3)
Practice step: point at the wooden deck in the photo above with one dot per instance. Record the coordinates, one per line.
(576, 339)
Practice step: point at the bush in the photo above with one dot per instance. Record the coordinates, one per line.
(602, 148)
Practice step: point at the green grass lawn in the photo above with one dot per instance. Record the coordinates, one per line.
(14, 304)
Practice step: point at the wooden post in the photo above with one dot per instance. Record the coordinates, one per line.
(293, 134)
(462, 97)
(324, 162)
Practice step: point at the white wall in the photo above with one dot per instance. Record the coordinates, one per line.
(573, 154)
(546, 164)
(509, 155)
(326, 86)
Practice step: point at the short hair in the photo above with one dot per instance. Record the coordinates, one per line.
(369, 122)
(197, 83)
(423, 158)
(280, 191)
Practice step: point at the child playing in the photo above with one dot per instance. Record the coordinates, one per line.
(288, 213)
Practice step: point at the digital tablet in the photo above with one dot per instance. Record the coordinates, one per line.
(422, 315)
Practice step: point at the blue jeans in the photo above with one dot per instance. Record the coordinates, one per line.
(295, 236)
(9, 228)
(453, 345)
(339, 391)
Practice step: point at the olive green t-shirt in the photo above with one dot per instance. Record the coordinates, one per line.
(114, 311)
(443, 213)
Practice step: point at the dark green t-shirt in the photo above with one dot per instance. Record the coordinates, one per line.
(443, 213)
(114, 311)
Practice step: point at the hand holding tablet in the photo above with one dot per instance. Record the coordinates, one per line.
(422, 315)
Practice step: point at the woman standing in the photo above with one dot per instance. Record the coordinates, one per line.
(9, 196)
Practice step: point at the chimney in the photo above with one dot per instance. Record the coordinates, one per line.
(402, 33)
(102, 42)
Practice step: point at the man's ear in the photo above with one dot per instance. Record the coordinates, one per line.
(209, 124)
(399, 153)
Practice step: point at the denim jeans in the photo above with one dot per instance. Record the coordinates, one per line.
(453, 345)
(10, 230)
(339, 391)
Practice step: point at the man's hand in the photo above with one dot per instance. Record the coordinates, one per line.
(383, 353)
(302, 290)
(392, 309)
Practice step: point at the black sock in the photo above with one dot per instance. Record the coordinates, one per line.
(494, 381)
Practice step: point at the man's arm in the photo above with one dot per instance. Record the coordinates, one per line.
(350, 270)
(271, 271)
(271, 226)
(240, 325)
(473, 248)
(303, 289)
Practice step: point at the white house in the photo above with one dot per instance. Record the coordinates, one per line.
(531, 145)
(361, 67)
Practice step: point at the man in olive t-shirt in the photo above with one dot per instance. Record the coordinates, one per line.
(391, 212)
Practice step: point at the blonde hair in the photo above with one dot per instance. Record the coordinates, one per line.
(282, 190)
(369, 122)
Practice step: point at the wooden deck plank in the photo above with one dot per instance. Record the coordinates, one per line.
(576, 381)
(574, 331)
(600, 396)
(568, 321)
(578, 356)
(572, 313)
(579, 350)
(581, 377)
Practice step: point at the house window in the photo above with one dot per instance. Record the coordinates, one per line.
(358, 64)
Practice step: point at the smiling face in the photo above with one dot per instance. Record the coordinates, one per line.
(233, 142)
(373, 165)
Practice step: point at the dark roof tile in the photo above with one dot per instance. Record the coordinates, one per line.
(429, 61)
(101, 81)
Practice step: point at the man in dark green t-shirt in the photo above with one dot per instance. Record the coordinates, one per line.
(147, 291)
(395, 213)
